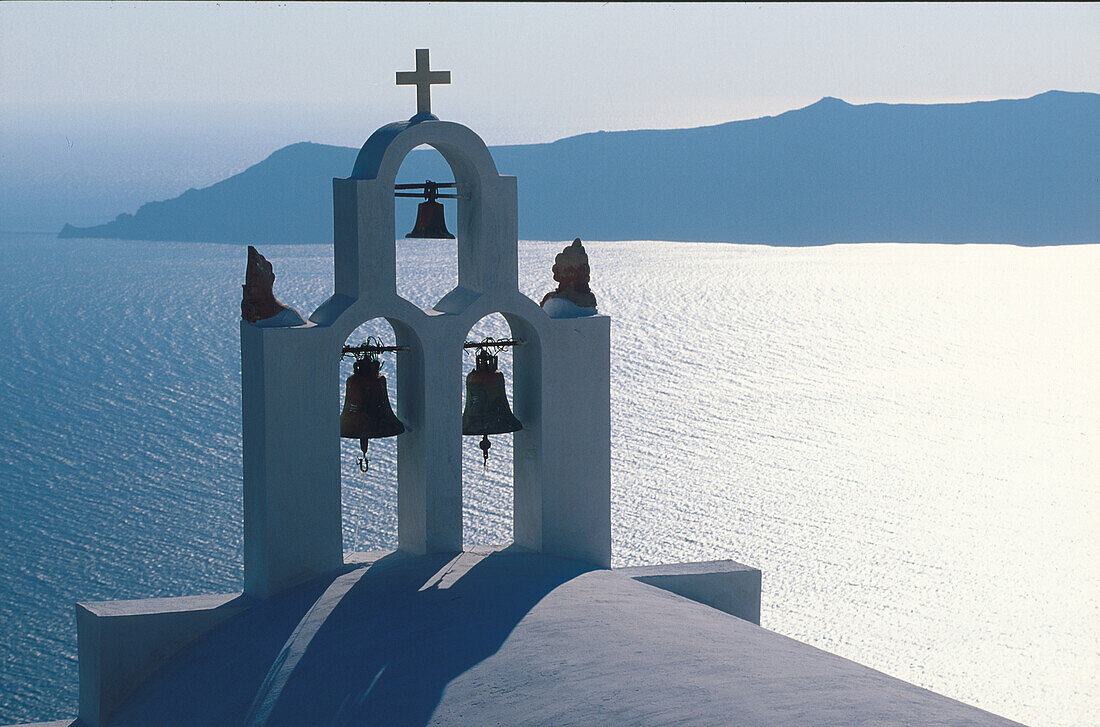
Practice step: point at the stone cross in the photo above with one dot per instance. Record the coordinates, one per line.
(423, 79)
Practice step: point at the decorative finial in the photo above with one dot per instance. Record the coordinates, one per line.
(423, 79)
(572, 298)
(258, 302)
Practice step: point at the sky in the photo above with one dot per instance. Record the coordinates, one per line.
(124, 102)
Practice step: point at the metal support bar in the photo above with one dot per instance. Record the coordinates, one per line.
(494, 343)
(367, 348)
(425, 186)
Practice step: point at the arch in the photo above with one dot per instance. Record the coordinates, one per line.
(426, 269)
(370, 491)
(387, 147)
(486, 225)
(488, 483)
(526, 403)
(341, 319)
(430, 496)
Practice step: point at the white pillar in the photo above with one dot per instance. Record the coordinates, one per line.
(576, 440)
(290, 412)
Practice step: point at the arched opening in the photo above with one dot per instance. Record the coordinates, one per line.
(368, 499)
(427, 269)
(488, 485)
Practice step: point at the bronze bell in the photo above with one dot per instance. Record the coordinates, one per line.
(487, 411)
(430, 223)
(367, 413)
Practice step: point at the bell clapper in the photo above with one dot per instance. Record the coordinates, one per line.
(485, 444)
(364, 463)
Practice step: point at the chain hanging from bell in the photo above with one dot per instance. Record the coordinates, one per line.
(367, 413)
(430, 223)
(487, 411)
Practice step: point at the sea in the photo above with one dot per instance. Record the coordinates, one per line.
(904, 438)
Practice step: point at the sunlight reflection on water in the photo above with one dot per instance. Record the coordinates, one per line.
(904, 438)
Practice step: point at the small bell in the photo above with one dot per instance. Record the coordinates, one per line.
(430, 223)
(487, 411)
(367, 412)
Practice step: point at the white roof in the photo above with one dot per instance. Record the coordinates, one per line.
(513, 638)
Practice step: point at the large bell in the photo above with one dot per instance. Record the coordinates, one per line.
(429, 217)
(487, 411)
(367, 413)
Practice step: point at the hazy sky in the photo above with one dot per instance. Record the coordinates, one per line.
(194, 91)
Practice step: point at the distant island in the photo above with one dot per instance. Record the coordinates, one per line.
(1022, 171)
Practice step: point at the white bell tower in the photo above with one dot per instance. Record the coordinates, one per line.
(291, 387)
